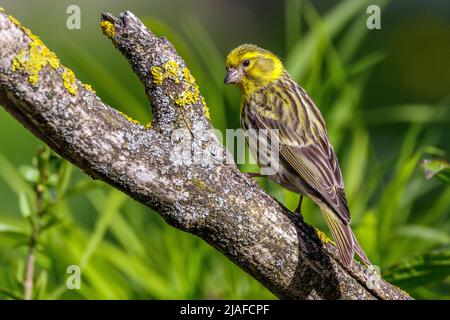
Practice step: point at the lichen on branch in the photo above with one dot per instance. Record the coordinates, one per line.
(36, 57)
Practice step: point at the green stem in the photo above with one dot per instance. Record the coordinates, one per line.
(31, 258)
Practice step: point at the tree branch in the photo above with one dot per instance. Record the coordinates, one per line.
(208, 198)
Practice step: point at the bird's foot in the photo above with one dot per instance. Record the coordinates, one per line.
(298, 210)
(298, 214)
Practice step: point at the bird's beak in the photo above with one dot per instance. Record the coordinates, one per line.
(232, 76)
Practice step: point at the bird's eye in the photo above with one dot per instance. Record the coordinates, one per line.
(246, 63)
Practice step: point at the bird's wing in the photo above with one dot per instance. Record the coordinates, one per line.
(304, 145)
(318, 166)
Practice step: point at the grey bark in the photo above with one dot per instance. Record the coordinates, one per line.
(210, 199)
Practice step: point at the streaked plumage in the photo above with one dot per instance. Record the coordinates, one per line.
(307, 164)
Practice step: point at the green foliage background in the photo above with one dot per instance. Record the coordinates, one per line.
(384, 94)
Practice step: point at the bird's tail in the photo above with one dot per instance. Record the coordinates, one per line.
(345, 239)
(360, 252)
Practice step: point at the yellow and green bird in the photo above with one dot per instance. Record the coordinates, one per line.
(272, 100)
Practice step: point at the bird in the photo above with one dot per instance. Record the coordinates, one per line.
(307, 163)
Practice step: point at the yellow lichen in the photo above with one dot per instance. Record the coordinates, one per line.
(88, 87)
(14, 21)
(206, 109)
(168, 70)
(158, 75)
(199, 183)
(188, 77)
(38, 57)
(187, 96)
(171, 70)
(148, 125)
(129, 118)
(69, 81)
(2, 10)
(322, 236)
(191, 92)
(19, 60)
(108, 29)
(202, 185)
(17, 23)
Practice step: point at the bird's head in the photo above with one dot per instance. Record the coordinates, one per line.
(251, 67)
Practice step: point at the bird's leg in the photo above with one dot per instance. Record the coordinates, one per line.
(298, 210)
(253, 175)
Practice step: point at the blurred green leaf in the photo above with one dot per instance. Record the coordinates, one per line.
(162, 29)
(127, 236)
(207, 49)
(431, 150)
(211, 81)
(298, 59)
(51, 221)
(30, 174)
(12, 178)
(115, 201)
(12, 294)
(5, 228)
(125, 100)
(367, 62)
(24, 205)
(366, 233)
(424, 233)
(436, 168)
(40, 287)
(65, 173)
(409, 113)
(292, 17)
(390, 209)
(83, 186)
(52, 180)
(422, 269)
(355, 166)
(13, 232)
(438, 211)
(354, 37)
